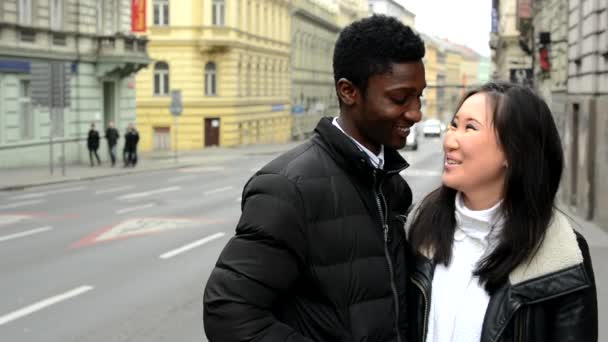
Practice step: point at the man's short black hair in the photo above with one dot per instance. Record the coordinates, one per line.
(369, 46)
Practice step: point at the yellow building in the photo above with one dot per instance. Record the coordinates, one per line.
(453, 90)
(431, 66)
(230, 59)
(351, 10)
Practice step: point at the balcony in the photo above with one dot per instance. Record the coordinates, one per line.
(217, 38)
(122, 54)
(121, 46)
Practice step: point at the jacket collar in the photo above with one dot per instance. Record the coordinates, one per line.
(559, 254)
(344, 151)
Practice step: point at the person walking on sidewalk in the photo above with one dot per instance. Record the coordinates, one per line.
(112, 139)
(130, 149)
(319, 251)
(93, 145)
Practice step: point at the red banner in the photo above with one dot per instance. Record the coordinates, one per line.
(138, 15)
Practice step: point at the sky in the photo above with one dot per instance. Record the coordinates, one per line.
(461, 21)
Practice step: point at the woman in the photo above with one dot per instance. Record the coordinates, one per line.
(494, 261)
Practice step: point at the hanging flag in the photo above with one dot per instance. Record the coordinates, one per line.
(138, 15)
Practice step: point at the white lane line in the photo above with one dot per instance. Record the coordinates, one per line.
(24, 234)
(45, 193)
(192, 245)
(43, 304)
(420, 173)
(130, 209)
(116, 189)
(181, 178)
(149, 193)
(216, 191)
(20, 204)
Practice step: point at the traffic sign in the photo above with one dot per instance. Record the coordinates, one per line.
(176, 102)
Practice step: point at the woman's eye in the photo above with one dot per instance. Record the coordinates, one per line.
(469, 126)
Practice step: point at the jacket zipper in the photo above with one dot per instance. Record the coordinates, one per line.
(379, 199)
(521, 327)
(426, 308)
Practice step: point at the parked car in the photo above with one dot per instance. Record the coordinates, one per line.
(411, 142)
(432, 127)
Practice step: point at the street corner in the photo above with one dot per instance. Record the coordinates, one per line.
(140, 227)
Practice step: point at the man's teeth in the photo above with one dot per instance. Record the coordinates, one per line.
(452, 162)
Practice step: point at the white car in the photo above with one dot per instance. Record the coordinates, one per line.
(411, 142)
(432, 127)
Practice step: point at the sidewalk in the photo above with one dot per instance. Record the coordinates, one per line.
(20, 178)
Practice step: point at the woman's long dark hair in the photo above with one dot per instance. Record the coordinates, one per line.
(528, 136)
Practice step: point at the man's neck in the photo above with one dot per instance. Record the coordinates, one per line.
(349, 128)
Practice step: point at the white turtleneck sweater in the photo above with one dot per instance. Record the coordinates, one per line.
(458, 301)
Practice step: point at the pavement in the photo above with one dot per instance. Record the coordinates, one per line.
(22, 178)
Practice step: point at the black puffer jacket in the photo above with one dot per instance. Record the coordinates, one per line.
(312, 259)
(550, 298)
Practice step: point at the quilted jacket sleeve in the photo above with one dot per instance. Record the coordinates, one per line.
(259, 265)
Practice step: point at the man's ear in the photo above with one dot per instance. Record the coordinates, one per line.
(347, 91)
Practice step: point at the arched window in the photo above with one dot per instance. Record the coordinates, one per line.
(161, 78)
(210, 79)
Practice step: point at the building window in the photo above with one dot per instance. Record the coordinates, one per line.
(100, 16)
(248, 81)
(161, 78)
(210, 79)
(25, 12)
(161, 12)
(218, 11)
(26, 117)
(56, 14)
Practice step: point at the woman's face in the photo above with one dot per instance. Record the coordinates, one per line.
(474, 161)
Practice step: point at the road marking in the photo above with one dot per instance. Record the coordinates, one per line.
(203, 169)
(139, 207)
(23, 234)
(43, 304)
(215, 191)
(420, 173)
(192, 245)
(10, 219)
(149, 193)
(181, 178)
(20, 204)
(45, 193)
(116, 189)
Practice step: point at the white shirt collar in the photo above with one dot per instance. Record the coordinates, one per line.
(376, 160)
(482, 225)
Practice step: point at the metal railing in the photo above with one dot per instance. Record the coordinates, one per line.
(51, 142)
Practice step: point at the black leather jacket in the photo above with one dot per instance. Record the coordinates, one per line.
(551, 298)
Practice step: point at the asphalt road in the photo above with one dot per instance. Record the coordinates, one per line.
(127, 258)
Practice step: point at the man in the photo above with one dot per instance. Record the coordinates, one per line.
(130, 149)
(319, 251)
(93, 145)
(112, 138)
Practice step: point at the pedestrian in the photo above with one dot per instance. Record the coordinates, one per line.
(112, 138)
(495, 259)
(130, 149)
(93, 145)
(319, 251)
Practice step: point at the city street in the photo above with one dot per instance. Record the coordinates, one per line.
(126, 258)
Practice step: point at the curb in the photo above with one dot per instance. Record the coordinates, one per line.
(50, 181)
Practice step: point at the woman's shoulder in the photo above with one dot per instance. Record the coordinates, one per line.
(561, 248)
